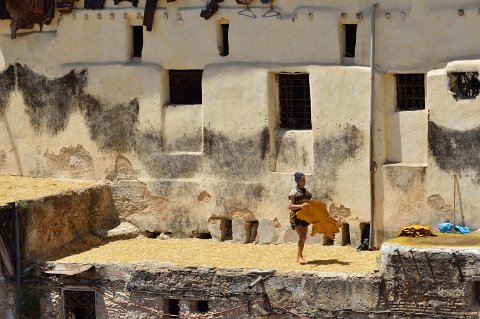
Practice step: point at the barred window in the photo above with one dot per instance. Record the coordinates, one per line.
(79, 304)
(294, 100)
(410, 92)
(464, 85)
(185, 86)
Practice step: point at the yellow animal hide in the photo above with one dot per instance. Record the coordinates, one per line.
(317, 215)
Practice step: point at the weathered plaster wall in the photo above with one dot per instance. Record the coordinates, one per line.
(422, 191)
(49, 224)
(221, 147)
(93, 114)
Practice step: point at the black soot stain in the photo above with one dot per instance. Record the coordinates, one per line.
(49, 103)
(148, 146)
(455, 150)
(111, 127)
(228, 157)
(7, 85)
(331, 153)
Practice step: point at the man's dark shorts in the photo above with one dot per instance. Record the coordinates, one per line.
(294, 221)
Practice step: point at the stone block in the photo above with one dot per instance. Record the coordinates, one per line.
(240, 230)
(124, 230)
(343, 237)
(316, 239)
(355, 233)
(215, 229)
(267, 232)
(290, 236)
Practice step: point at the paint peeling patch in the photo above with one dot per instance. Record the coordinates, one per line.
(204, 197)
(330, 153)
(124, 168)
(111, 127)
(3, 157)
(454, 150)
(229, 157)
(74, 160)
(49, 103)
(7, 84)
(341, 212)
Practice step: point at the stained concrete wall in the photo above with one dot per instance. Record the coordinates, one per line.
(110, 118)
(422, 191)
(48, 224)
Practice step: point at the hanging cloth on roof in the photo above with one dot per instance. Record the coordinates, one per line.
(4, 14)
(134, 2)
(38, 6)
(210, 9)
(94, 4)
(50, 11)
(149, 13)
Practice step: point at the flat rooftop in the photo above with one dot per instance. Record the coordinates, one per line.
(16, 188)
(209, 253)
(457, 241)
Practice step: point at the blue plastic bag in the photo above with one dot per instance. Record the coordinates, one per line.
(463, 230)
(445, 227)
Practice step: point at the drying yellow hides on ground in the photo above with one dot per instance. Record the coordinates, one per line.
(416, 231)
(317, 215)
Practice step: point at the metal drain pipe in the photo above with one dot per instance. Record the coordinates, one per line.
(372, 104)
(18, 293)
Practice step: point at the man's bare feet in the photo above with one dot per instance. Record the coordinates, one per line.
(301, 261)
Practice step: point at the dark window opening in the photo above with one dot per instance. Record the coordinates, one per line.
(464, 85)
(200, 235)
(410, 92)
(225, 50)
(294, 100)
(79, 304)
(253, 231)
(137, 41)
(364, 236)
(172, 308)
(226, 229)
(345, 230)
(185, 86)
(350, 40)
(202, 306)
(477, 293)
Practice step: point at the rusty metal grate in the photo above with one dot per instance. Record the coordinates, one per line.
(294, 99)
(410, 92)
(185, 86)
(464, 85)
(79, 304)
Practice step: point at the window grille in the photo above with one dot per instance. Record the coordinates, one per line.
(410, 92)
(79, 304)
(294, 100)
(185, 86)
(464, 85)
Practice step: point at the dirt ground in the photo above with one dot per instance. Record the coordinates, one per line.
(15, 188)
(207, 252)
